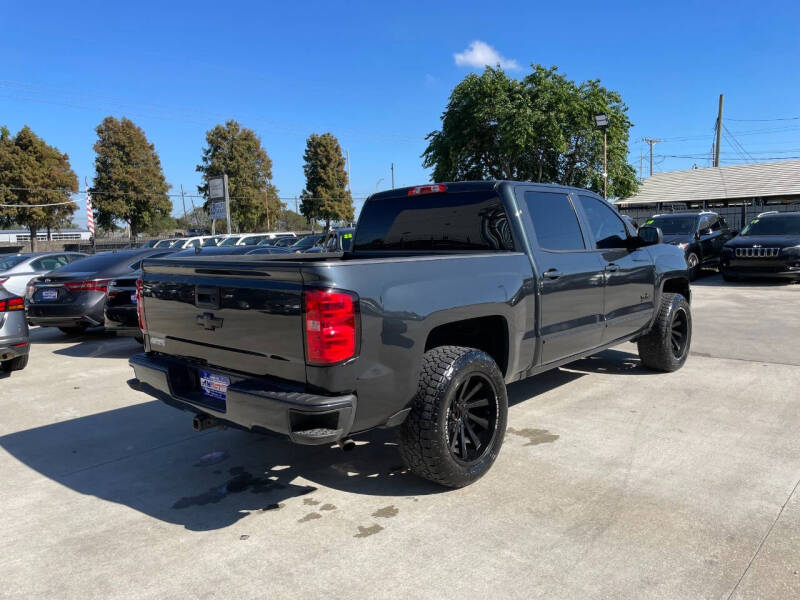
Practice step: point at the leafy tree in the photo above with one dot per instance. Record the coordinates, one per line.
(34, 173)
(237, 151)
(129, 183)
(540, 128)
(326, 195)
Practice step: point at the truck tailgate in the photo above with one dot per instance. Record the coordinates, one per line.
(242, 317)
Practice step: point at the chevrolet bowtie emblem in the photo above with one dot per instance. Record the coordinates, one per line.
(208, 321)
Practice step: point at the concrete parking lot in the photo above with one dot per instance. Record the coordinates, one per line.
(613, 482)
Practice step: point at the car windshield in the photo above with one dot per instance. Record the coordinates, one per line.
(98, 262)
(209, 241)
(11, 261)
(307, 241)
(783, 225)
(674, 225)
(231, 241)
(164, 243)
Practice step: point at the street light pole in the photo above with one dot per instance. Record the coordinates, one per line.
(605, 164)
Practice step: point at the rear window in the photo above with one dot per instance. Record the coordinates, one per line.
(11, 261)
(98, 262)
(471, 221)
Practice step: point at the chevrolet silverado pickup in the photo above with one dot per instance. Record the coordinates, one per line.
(448, 293)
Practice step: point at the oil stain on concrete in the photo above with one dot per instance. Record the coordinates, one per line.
(387, 512)
(310, 502)
(368, 531)
(534, 436)
(310, 517)
(327, 507)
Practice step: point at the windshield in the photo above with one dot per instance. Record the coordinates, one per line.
(210, 242)
(674, 225)
(231, 241)
(164, 243)
(783, 225)
(307, 241)
(7, 263)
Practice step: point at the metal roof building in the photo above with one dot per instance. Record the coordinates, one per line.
(761, 182)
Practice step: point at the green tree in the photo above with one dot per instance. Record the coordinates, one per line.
(540, 128)
(34, 173)
(129, 184)
(237, 151)
(326, 195)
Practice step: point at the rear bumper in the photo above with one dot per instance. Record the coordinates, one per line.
(65, 315)
(253, 404)
(11, 349)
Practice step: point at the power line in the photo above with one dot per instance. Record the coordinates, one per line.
(764, 120)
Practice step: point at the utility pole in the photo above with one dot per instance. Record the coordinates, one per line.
(719, 130)
(605, 163)
(392, 175)
(651, 142)
(295, 205)
(183, 200)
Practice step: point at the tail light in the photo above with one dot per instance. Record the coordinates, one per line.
(436, 188)
(94, 285)
(331, 327)
(12, 304)
(139, 306)
(3, 280)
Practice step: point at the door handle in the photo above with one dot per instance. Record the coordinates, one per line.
(612, 268)
(552, 274)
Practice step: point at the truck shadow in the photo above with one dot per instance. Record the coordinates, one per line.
(146, 457)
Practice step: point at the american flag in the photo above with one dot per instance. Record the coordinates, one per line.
(89, 213)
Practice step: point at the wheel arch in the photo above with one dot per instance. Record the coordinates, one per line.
(488, 333)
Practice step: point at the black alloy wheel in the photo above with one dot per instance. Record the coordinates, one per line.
(472, 419)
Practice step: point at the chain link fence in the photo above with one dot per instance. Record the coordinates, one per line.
(737, 215)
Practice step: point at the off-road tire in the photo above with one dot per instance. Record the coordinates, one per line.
(76, 330)
(15, 364)
(656, 347)
(424, 437)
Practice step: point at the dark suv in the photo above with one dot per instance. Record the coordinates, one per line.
(701, 236)
(768, 247)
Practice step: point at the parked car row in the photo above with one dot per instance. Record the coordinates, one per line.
(769, 246)
(74, 291)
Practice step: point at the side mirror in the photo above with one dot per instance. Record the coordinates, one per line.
(649, 236)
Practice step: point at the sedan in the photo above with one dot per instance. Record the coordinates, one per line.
(14, 344)
(73, 297)
(18, 269)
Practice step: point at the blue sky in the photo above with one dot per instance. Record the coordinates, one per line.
(378, 75)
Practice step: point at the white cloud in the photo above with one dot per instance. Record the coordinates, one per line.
(480, 54)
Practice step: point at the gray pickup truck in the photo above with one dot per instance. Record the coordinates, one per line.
(449, 292)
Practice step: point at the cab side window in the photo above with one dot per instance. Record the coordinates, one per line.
(607, 228)
(716, 224)
(555, 223)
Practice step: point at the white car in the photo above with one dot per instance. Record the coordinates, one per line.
(16, 270)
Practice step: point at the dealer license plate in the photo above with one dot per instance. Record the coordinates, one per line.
(214, 385)
(49, 295)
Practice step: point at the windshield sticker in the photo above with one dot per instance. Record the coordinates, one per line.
(754, 221)
(347, 236)
(649, 221)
